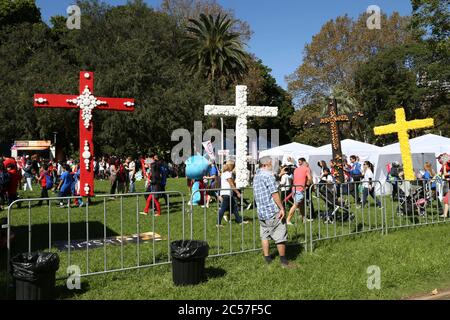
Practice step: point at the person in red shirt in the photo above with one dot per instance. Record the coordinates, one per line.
(43, 174)
(4, 181)
(14, 180)
(302, 178)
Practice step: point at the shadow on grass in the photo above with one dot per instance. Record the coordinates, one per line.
(59, 232)
(62, 292)
(213, 273)
(293, 251)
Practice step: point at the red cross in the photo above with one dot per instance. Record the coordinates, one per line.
(86, 102)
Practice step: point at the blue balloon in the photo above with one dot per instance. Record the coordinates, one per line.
(196, 167)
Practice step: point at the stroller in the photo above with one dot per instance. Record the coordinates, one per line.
(336, 210)
(412, 198)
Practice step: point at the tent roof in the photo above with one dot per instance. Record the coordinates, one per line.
(349, 147)
(423, 144)
(292, 148)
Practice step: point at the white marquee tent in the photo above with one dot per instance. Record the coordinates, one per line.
(295, 150)
(365, 151)
(424, 149)
(428, 143)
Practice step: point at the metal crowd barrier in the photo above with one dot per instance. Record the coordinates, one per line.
(416, 203)
(345, 210)
(97, 237)
(229, 238)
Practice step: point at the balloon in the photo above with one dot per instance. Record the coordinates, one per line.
(196, 167)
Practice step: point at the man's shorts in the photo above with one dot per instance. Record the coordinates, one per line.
(299, 196)
(274, 229)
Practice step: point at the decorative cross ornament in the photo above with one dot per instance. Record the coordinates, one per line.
(241, 111)
(401, 128)
(333, 120)
(86, 102)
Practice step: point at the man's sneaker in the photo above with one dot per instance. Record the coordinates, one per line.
(158, 215)
(289, 223)
(219, 226)
(225, 217)
(307, 220)
(144, 213)
(244, 222)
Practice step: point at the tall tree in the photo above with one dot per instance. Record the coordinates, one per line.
(18, 11)
(133, 51)
(213, 51)
(335, 52)
(264, 91)
(431, 20)
(392, 79)
(184, 10)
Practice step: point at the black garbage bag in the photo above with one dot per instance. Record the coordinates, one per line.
(188, 261)
(189, 249)
(32, 267)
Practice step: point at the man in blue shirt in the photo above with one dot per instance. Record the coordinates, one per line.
(271, 213)
(65, 184)
(356, 175)
(211, 181)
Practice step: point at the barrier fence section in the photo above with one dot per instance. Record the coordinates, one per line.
(416, 203)
(108, 233)
(230, 236)
(344, 210)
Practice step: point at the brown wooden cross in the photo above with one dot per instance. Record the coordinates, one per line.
(333, 120)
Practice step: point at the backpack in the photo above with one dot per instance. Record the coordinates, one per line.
(164, 175)
(121, 174)
(48, 181)
(156, 174)
(4, 180)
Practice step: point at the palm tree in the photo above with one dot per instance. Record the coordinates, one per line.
(213, 50)
(346, 104)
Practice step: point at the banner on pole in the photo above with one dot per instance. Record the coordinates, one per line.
(209, 149)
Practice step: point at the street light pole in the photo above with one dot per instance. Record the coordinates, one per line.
(221, 142)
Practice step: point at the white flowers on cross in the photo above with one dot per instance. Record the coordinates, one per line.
(87, 102)
(241, 111)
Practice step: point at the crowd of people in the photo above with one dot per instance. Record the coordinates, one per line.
(63, 177)
(293, 179)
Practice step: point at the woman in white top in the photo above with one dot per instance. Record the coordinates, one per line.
(368, 187)
(101, 169)
(285, 183)
(227, 192)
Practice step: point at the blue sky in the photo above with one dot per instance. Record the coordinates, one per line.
(281, 27)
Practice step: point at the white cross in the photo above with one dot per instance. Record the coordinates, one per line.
(241, 111)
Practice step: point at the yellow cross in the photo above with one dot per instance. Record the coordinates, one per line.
(401, 127)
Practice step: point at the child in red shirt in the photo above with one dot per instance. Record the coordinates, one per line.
(14, 180)
(43, 173)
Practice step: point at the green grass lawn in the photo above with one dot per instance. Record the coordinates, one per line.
(411, 260)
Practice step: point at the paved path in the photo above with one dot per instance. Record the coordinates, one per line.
(444, 295)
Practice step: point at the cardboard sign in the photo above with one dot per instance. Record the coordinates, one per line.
(98, 243)
(209, 149)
